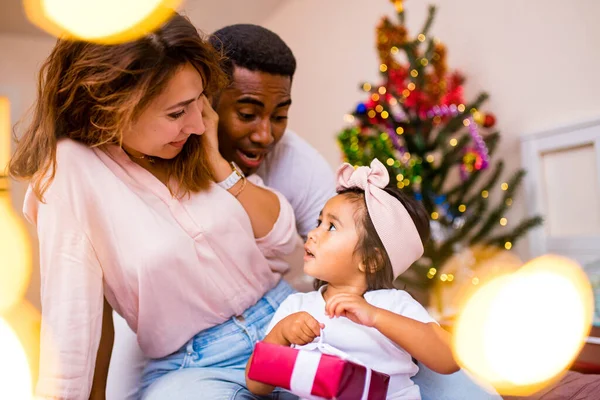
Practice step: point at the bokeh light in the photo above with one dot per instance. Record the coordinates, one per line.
(14, 370)
(102, 21)
(25, 320)
(15, 248)
(518, 332)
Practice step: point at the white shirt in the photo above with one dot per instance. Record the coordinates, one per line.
(366, 344)
(296, 170)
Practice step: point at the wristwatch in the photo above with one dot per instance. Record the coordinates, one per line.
(232, 179)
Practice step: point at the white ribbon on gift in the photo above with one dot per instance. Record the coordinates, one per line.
(307, 363)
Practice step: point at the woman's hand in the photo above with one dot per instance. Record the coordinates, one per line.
(353, 307)
(219, 165)
(299, 328)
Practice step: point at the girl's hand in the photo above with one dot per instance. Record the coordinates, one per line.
(353, 307)
(300, 328)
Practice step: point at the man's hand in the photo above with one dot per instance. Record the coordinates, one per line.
(353, 307)
(299, 328)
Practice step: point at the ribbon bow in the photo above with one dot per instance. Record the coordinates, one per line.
(307, 365)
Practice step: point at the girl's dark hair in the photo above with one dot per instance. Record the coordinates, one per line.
(378, 267)
(92, 93)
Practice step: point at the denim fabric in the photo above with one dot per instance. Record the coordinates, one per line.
(457, 386)
(212, 364)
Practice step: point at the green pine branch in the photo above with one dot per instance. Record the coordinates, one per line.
(494, 217)
(518, 232)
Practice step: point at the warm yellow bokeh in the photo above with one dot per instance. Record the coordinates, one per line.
(15, 246)
(100, 21)
(25, 320)
(518, 332)
(15, 262)
(4, 136)
(14, 370)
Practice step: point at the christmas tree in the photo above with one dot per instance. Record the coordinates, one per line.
(436, 147)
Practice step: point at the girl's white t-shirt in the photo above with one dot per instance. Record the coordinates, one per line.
(366, 344)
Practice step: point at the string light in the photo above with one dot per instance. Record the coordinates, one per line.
(393, 101)
(379, 108)
(432, 271)
(371, 113)
(424, 62)
(411, 86)
(399, 177)
(414, 73)
(504, 186)
(508, 202)
(383, 67)
(503, 221)
(461, 108)
(450, 277)
(366, 87)
(399, 130)
(406, 93)
(430, 158)
(390, 161)
(466, 122)
(453, 142)
(400, 185)
(349, 118)
(406, 182)
(462, 208)
(485, 194)
(434, 215)
(394, 50)
(475, 281)
(508, 245)
(421, 38)
(443, 277)
(382, 90)
(385, 115)
(375, 97)
(384, 136)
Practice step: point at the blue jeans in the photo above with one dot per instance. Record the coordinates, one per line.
(212, 364)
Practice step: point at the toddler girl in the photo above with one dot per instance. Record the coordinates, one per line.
(366, 237)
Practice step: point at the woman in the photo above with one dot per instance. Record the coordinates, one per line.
(133, 202)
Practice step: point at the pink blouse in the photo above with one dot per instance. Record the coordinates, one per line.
(171, 267)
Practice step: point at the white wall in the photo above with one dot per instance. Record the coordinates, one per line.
(20, 60)
(538, 59)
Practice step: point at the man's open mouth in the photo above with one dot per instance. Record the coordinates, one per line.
(251, 158)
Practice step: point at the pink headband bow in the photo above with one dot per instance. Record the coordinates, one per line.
(394, 226)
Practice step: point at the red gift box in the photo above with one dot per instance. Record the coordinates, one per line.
(312, 374)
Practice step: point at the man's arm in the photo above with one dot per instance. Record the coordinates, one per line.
(104, 353)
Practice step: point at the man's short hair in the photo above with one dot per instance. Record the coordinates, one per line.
(255, 48)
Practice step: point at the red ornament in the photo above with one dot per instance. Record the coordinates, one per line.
(489, 121)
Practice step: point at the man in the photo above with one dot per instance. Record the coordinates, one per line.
(253, 117)
(253, 133)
